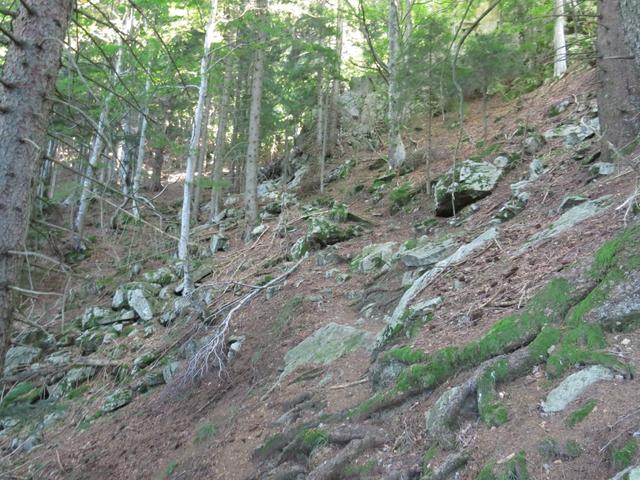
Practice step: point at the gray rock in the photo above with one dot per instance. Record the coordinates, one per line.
(163, 276)
(558, 108)
(602, 169)
(501, 161)
(73, 378)
(118, 399)
(622, 305)
(328, 256)
(567, 220)
(532, 144)
(175, 310)
(121, 296)
(36, 337)
(574, 134)
(374, 257)
(427, 306)
(219, 243)
(92, 315)
(536, 168)
(384, 372)
(512, 208)
(428, 254)
(468, 183)
(90, 340)
(573, 386)
(169, 371)
(142, 303)
(631, 473)
(325, 346)
(20, 357)
(571, 201)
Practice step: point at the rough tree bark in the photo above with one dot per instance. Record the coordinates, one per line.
(559, 42)
(28, 78)
(631, 21)
(202, 157)
(221, 134)
(334, 110)
(397, 153)
(619, 78)
(253, 148)
(185, 220)
(142, 142)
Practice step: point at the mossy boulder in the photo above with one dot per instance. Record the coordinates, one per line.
(24, 392)
(325, 346)
(162, 276)
(20, 357)
(374, 257)
(117, 399)
(467, 183)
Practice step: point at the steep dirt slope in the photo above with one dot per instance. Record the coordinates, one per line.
(214, 428)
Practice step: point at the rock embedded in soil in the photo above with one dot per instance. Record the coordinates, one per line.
(429, 254)
(374, 257)
(464, 185)
(20, 357)
(573, 386)
(631, 473)
(325, 346)
(118, 399)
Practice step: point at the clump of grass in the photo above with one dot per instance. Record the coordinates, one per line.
(205, 432)
(623, 457)
(582, 413)
(171, 468)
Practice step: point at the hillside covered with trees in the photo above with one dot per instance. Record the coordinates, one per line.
(346, 239)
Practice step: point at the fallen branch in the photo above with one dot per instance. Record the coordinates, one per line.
(213, 350)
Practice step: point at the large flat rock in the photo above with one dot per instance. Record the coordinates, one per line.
(574, 386)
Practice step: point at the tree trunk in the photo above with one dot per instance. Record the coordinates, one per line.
(28, 79)
(619, 78)
(185, 220)
(221, 135)
(253, 147)
(333, 108)
(202, 157)
(96, 151)
(397, 152)
(559, 42)
(137, 176)
(631, 22)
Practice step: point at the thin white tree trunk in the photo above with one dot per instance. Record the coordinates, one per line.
(559, 41)
(96, 149)
(137, 177)
(183, 244)
(333, 108)
(397, 152)
(253, 148)
(202, 156)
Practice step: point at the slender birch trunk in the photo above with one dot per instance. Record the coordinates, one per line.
(137, 176)
(253, 147)
(96, 149)
(397, 152)
(559, 41)
(202, 156)
(183, 244)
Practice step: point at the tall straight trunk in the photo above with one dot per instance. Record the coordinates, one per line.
(397, 152)
(221, 135)
(333, 110)
(559, 42)
(619, 79)
(202, 156)
(29, 73)
(253, 140)
(96, 147)
(320, 113)
(160, 152)
(142, 142)
(185, 220)
(631, 22)
(323, 149)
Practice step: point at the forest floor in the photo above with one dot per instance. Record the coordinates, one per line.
(211, 429)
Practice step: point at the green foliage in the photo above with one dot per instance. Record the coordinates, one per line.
(580, 414)
(24, 392)
(402, 195)
(309, 440)
(624, 457)
(492, 412)
(356, 470)
(204, 433)
(171, 468)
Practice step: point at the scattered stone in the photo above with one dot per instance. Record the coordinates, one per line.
(533, 144)
(174, 310)
(328, 256)
(558, 108)
(121, 296)
(536, 168)
(574, 134)
(235, 345)
(326, 345)
(163, 276)
(573, 386)
(20, 357)
(374, 257)
(72, 379)
(36, 337)
(219, 243)
(567, 220)
(550, 449)
(511, 209)
(428, 254)
(118, 399)
(571, 201)
(468, 183)
(602, 169)
(621, 307)
(501, 161)
(90, 340)
(140, 301)
(169, 371)
(631, 473)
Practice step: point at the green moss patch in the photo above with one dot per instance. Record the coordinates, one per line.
(580, 414)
